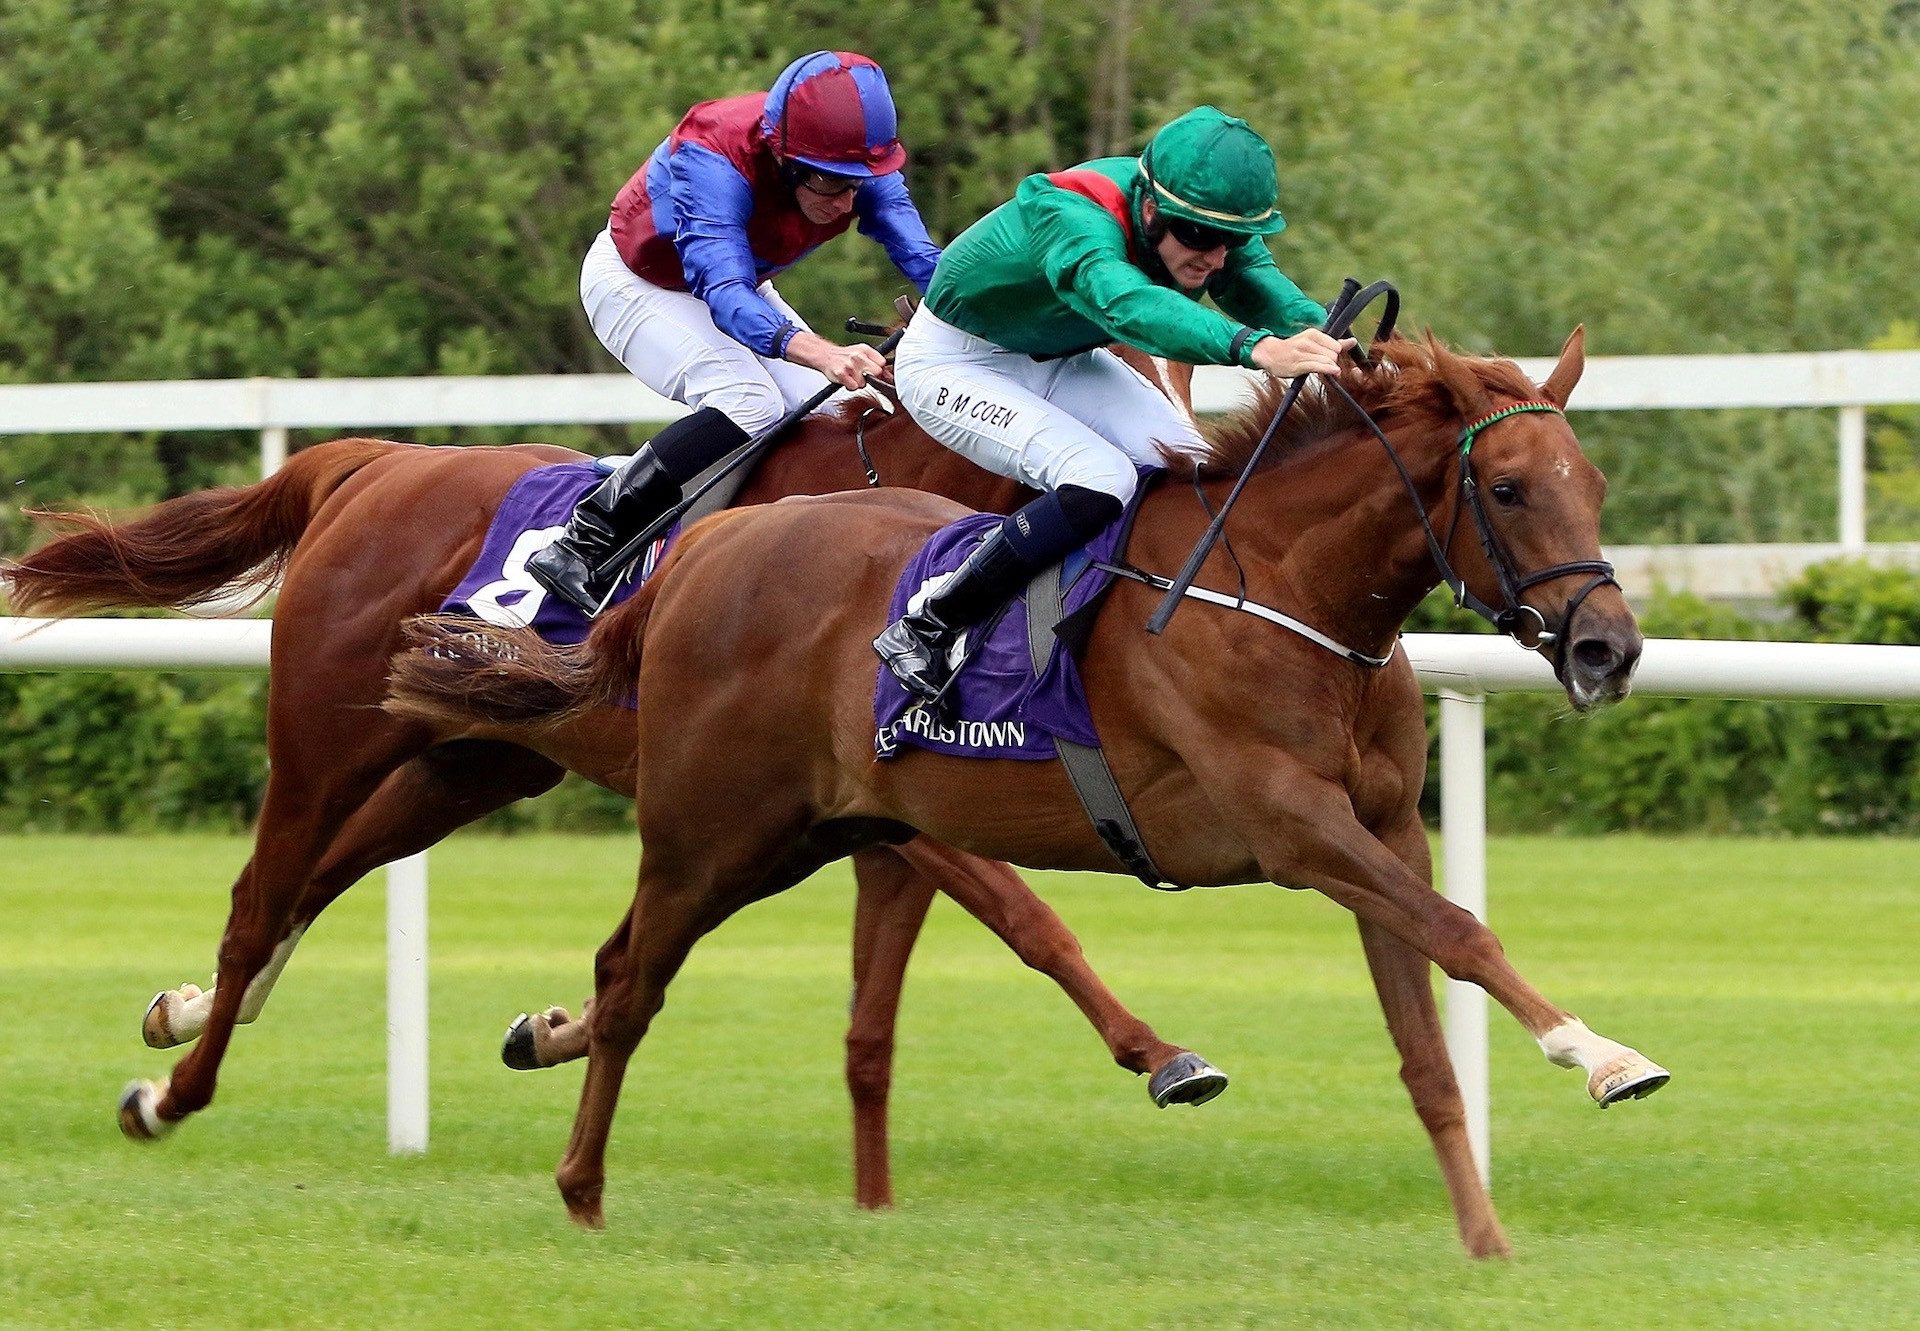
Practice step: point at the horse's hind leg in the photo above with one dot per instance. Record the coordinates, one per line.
(889, 909)
(314, 785)
(415, 808)
(1000, 899)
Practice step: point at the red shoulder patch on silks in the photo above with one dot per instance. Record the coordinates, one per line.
(1102, 190)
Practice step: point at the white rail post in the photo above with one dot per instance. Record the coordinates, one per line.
(1463, 841)
(273, 450)
(1853, 477)
(407, 1006)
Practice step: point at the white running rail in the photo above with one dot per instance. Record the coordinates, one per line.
(1461, 668)
(1849, 381)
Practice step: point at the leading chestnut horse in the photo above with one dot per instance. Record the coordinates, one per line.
(369, 533)
(1247, 753)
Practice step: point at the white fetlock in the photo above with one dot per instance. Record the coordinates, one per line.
(1614, 1071)
(140, 1110)
(176, 1016)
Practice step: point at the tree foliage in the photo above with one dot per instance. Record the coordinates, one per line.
(226, 188)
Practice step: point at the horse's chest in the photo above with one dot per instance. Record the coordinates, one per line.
(1377, 787)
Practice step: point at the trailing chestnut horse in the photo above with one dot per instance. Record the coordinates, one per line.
(369, 533)
(1248, 753)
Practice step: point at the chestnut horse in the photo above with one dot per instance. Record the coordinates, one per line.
(1248, 753)
(369, 533)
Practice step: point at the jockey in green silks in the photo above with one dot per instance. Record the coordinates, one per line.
(1005, 362)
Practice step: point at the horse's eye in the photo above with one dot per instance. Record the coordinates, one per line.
(1506, 492)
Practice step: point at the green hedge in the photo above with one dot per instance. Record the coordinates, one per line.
(143, 751)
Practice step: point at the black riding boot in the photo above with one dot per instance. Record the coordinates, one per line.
(575, 567)
(917, 645)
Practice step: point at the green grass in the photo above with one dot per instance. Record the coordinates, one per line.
(1774, 1183)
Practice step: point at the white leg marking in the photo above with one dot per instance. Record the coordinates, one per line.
(1572, 1045)
(142, 1097)
(1614, 1070)
(269, 975)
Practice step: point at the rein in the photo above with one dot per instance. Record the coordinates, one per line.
(1509, 619)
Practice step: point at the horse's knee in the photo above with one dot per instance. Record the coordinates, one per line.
(1465, 948)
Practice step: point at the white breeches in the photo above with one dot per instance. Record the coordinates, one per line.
(669, 342)
(1083, 420)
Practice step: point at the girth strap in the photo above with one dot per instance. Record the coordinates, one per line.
(1087, 767)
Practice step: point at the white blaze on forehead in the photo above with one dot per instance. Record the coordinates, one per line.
(1563, 468)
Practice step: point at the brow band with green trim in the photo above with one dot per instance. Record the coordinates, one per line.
(1467, 434)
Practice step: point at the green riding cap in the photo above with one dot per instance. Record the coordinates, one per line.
(1212, 168)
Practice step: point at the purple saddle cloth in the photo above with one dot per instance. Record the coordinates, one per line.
(1002, 709)
(498, 588)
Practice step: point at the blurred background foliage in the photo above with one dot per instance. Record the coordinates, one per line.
(230, 188)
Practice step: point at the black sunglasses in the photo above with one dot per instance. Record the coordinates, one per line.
(1198, 236)
(827, 184)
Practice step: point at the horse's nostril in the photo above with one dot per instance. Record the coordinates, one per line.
(1596, 655)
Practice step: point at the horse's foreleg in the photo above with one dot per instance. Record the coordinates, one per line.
(1403, 980)
(889, 909)
(415, 808)
(683, 894)
(1000, 899)
(1306, 834)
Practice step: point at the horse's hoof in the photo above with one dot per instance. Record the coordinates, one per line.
(156, 1027)
(516, 1051)
(139, 1112)
(583, 1205)
(1630, 1077)
(1186, 1079)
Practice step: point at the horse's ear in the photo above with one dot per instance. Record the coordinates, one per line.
(1573, 360)
(1462, 384)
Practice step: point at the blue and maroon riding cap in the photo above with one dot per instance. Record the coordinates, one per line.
(832, 111)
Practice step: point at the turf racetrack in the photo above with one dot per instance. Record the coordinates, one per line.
(1776, 1182)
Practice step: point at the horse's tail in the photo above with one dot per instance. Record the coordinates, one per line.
(458, 671)
(185, 550)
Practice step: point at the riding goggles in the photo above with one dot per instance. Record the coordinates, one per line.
(826, 184)
(1199, 237)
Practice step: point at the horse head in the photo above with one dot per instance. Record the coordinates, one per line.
(1534, 499)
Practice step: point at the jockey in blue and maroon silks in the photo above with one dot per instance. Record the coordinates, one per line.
(679, 286)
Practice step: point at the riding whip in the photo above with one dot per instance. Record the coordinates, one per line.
(1340, 316)
(747, 452)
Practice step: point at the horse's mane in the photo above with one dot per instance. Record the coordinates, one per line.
(1407, 382)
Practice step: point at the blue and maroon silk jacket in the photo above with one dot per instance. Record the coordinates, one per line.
(709, 214)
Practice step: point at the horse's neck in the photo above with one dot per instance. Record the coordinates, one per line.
(1329, 537)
